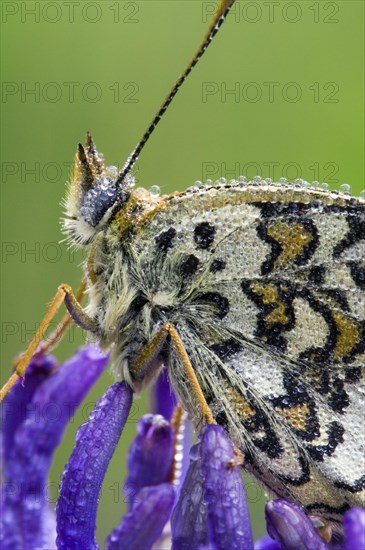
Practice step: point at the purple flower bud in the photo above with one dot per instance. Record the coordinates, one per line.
(212, 509)
(228, 517)
(189, 517)
(354, 525)
(288, 524)
(96, 440)
(141, 527)
(150, 457)
(17, 404)
(49, 403)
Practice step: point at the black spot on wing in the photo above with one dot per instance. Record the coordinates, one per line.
(353, 375)
(317, 274)
(221, 302)
(217, 265)
(164, 239)
(189, 265)
(204, 234)
(226, 348)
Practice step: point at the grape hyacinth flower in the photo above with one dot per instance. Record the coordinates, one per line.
(172, 503)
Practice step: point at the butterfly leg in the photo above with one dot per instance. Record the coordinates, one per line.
(195, 386)
(145, 364)
(194, 383)
(76, 312)
(57, 334)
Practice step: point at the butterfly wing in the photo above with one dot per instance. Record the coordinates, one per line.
(265, 285)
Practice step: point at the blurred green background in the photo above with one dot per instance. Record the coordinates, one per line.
(280, 92)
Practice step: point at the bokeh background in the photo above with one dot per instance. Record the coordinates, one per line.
(280, 92)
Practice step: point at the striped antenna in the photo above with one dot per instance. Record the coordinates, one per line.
(214, 27)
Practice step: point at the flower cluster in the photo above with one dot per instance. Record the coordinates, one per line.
(203, 508)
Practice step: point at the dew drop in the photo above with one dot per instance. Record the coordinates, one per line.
(195, 452)
(113, 170)
(345, 188)
(155, 190)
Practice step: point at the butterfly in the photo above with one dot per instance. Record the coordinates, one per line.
(251, 293)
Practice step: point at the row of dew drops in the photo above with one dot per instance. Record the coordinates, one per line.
(345, 188)
(299, 182)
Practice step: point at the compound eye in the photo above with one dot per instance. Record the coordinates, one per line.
(97, 200)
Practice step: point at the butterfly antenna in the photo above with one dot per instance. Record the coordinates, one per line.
(214, 27)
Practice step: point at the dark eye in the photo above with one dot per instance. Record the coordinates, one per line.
(97, 201)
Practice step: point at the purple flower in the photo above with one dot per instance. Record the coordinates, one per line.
(287, 524)
(96, 440)
(35, 415)
(290, 529)
(142, 527)
(212, 506)
(150, 459)
(354, 525)
(204, 510)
